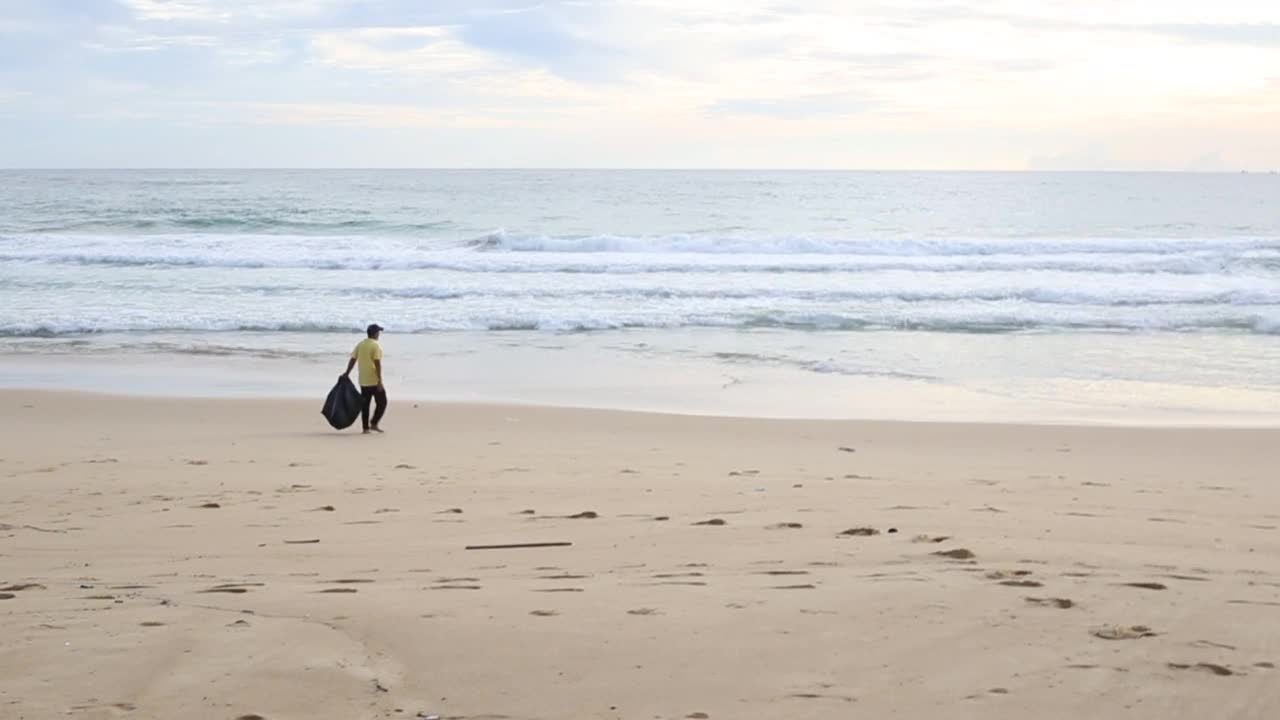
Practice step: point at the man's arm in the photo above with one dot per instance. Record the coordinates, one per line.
(377, 365)
(350, 364)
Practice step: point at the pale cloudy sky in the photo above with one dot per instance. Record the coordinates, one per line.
(964, 84)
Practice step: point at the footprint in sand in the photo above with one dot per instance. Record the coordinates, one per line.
(559, 590)
(119, 707)
(786, 526)
(644, 611)
(1211, 644)
(1219, 670)
(544, 613)
(1060, 603)
(227, 590)
(451, 580)
(348, 581)
(209, 506)
(795, 587)
(817, 696)
(860, 532)
(691, 583)
(1123, 632)
(21, 587)
(1145, 585)
(1005, 574)
(151, 623)
(337, 590)
(454, 587)
(713, 521)
(782, 572)
(957, 554)
(1022, 583)
(584, 515)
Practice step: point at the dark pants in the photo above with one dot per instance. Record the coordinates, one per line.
(369, 394)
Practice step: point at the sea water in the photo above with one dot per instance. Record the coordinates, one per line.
(987, 296)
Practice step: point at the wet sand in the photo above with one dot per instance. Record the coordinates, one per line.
(237, 559)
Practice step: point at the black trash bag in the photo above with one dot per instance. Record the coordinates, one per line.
(342, 407)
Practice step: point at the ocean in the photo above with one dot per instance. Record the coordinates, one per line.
(1055, 297)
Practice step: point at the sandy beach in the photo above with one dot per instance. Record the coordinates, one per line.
(237, 559)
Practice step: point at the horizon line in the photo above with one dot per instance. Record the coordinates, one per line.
(70, 168)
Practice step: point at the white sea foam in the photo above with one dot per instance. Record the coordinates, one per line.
(253, 252)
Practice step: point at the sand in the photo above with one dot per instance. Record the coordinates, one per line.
(238, 559)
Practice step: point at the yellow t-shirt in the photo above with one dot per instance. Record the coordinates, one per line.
(365, 353)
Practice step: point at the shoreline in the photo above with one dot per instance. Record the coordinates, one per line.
(305, 407)
(596, 373)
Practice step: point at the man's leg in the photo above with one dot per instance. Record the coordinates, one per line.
(366, 396)
(380, 396)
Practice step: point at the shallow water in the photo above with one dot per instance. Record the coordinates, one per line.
(967, 295)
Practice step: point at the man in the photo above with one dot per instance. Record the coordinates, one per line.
(368, 355)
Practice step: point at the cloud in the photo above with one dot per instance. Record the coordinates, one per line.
(177, 10)
(912, 83)
(1255, 34)
(352, 115)
(545, 39)
(401, 50)
(1117, 158)
(795, 106)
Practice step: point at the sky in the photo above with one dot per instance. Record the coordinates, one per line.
(904, 84)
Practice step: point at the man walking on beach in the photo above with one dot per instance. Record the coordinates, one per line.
(368, 355)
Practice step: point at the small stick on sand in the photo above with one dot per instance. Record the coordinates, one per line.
(518, 545)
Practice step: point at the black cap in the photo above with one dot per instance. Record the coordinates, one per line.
(374, 328)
